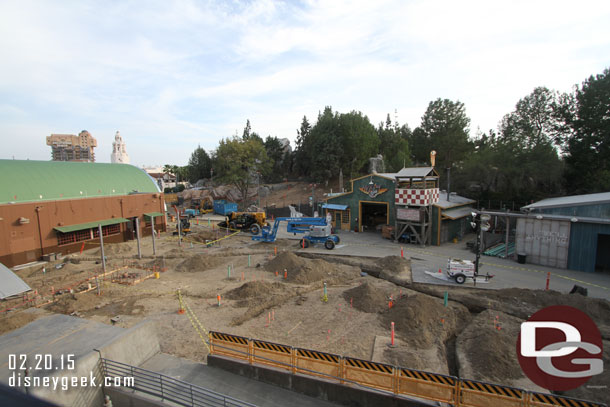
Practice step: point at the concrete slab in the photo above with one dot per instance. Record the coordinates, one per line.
(221, 381)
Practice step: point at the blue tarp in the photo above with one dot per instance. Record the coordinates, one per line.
(334, 206)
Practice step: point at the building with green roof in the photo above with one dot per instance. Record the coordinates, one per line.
(49, 207)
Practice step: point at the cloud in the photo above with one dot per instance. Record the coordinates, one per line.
(172, 75)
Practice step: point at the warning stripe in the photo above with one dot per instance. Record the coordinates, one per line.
(312, 354)
(364, 364)
(229, 338)
(492, 389)
(430, 377)
(552, 400)
(271, 346)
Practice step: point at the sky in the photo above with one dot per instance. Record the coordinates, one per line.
(172, 75)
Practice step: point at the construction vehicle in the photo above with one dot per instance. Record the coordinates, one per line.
(251, 221)
(460, 270)
(317, 229)
(185, 226)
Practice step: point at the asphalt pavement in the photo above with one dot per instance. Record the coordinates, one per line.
(429, 259)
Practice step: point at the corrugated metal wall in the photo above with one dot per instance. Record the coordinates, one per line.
(544, 241)
(583, 247)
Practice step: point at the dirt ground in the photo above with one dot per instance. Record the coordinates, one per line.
(280, 298)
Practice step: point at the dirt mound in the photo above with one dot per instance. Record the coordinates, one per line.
(394, 264)
(116, 248)
(253, 289)
(481, 345)
(199, 262)
(302, 271)
(366, 297)
(424, 321)
(204, 236)
(69, 303)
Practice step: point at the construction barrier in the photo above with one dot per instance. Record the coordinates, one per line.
(480, 394)
(316, 363)
(230, 345)
(381, 376)
(546, 400)
(426, 385)
(372, 374)
(273, 354)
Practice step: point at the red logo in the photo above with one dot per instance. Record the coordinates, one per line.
(559, 348)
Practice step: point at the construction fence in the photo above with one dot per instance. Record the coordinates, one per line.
(380, 376)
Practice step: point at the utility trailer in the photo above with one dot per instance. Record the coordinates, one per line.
(460, 270)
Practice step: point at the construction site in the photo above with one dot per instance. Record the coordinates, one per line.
(215, 285)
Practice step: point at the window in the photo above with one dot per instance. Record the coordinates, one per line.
(345, 216)
(86, 234)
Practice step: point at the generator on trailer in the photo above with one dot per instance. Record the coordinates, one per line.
(460, 270)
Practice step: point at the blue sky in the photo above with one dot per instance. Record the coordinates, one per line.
(171, 75)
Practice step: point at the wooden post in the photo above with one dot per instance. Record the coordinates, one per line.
(138, 237)
(507, 236)
(152, 222)
(99, 229)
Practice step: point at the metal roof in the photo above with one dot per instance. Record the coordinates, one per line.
(334, 206)
(455, 200)
(89, 225)
(457, 213)
(27, 181)
(574, 200)
(416, 172)
(10, 283)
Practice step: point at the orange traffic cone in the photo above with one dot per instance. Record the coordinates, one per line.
(440, 272)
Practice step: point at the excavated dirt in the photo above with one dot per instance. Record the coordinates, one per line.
(522, 303)
(366, 297)
(489, 340)
(305, 271)
(11, 321)
(253, 293)
(424, 321)
(204, 236)
(200, 262)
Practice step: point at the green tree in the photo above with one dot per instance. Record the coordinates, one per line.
(394, 145)
(239, 162)
(275, 153)
(587, 149)
(323, 147)
(529, 162)
(444, 128)
(249, 134)
(199, 165)
(302, 165)
(359, 142)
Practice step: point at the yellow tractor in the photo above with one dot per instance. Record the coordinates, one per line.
(251, 221)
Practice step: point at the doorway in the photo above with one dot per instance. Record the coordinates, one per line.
(602, 258)
(372, 215)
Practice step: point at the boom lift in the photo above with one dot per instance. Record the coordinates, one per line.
(318, 231)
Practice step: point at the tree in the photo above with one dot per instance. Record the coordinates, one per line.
(199, 165)
(587, 150)
(394, 145)
(301, 162)
(275, 153)
(359, 142)
(239, 162)
(323, 148)
(249, 134)
(444, 128)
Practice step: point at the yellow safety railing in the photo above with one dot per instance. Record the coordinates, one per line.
(380, 376)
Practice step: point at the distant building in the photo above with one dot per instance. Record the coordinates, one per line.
(68, 147)
(119, 153)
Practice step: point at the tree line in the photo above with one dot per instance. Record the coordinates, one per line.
(551, 144)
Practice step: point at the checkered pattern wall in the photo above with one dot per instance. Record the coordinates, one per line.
(416, 197)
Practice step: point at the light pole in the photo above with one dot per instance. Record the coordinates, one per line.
(480, 224)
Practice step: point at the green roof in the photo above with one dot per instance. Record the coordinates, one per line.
(89, 225)
(27, 181)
